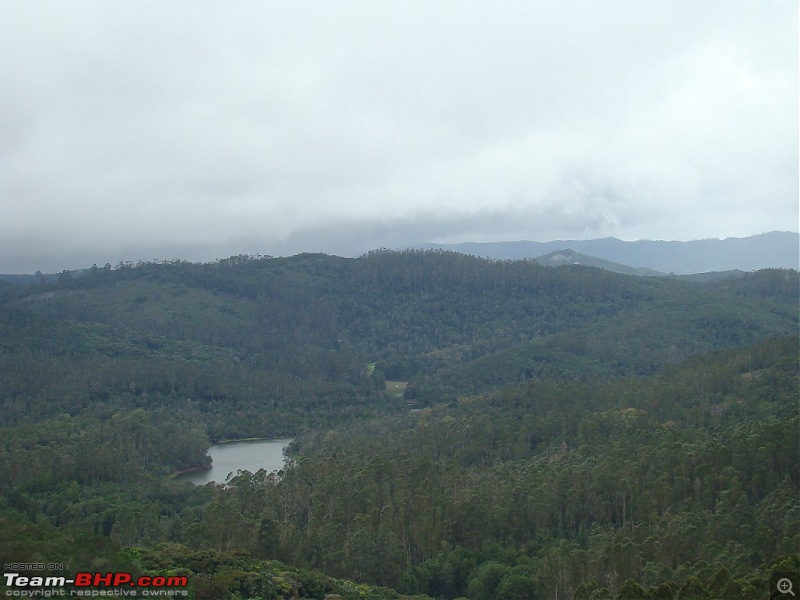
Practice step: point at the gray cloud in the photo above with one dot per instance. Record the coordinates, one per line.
(197, 131)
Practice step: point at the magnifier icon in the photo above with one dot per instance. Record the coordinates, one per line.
(784, 586)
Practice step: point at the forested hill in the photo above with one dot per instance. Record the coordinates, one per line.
(682, 485)
(304, 336)
(578, 433)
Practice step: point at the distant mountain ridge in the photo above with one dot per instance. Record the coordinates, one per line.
(559, 258)
(569, 256)
(776, 249)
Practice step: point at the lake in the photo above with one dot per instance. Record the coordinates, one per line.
(245, 456)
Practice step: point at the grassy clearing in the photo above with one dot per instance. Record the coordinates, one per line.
(396, 388)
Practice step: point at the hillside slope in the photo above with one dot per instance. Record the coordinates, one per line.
(300, 337)
(570, 418)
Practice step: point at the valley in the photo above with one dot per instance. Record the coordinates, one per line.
(462, 427)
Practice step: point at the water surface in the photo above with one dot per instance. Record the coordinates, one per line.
(233, 456)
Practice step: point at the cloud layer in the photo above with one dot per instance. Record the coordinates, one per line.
(193, 130)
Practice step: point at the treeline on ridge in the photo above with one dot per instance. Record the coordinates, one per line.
(267, 335)
(573, 430)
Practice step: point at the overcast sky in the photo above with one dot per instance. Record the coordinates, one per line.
(199, 130)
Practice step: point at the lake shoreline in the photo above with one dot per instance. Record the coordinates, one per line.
(229, 456)
(255, 439)
(190, 470)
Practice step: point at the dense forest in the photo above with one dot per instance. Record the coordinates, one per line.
(564, 432)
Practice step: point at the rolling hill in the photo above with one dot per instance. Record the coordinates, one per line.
(565, 430)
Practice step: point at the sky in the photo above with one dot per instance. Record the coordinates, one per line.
(199, 130)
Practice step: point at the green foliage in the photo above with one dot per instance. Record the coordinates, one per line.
(25, 540)
(630, 590)
(666, 590)
(583, 432)
(568, 482)
(693, 589)
(486, 579)
(265, 335)
(222, 576)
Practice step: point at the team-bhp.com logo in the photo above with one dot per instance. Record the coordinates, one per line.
(94, 585)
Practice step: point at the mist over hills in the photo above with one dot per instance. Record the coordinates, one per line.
(776, 249)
